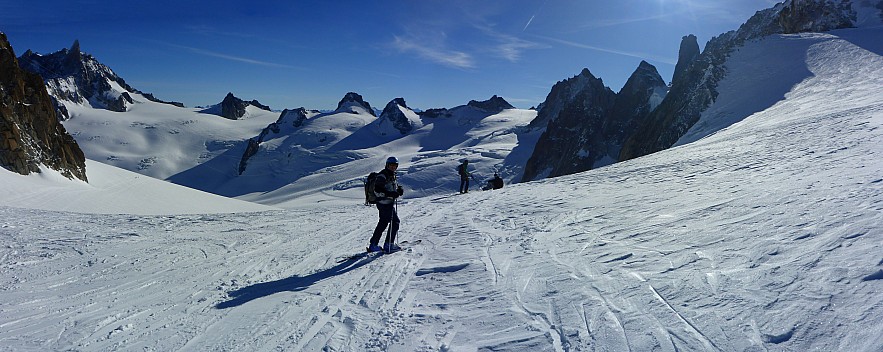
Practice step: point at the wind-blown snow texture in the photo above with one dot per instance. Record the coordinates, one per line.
(765, 235)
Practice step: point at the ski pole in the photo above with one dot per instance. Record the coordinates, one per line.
(396, 215)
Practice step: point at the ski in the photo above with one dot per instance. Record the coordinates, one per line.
(356, 256)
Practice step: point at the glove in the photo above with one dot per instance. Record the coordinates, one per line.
(401, 191)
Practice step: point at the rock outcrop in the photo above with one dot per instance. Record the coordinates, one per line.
(587, 123)
(353, 103)
(493, 105)
(289, 120)
(393, 113)
(575, 111)
(233, 108)
(694, 88)
(687, 54)
(435, 113)
(30, 132)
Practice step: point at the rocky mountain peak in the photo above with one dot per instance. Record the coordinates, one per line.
(30, 133)
(393, 113)
(645, 77)
(233, 108)
(563, 92)
(493, 105)
(587, 123)
(688, 53)
(575, 114)
(351, 100)
(694, 87)
(73, 76)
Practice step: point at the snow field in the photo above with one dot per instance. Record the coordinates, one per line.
(765, 235)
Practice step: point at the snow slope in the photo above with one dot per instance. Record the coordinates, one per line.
(159, 140)
(766, 235)
(429, 158)
(328, 156)
(112, 191)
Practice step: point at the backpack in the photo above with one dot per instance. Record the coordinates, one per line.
(370, 195)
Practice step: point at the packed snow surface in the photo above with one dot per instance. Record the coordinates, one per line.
(765, 235)
(112, 191)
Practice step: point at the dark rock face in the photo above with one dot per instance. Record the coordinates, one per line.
(30, 132)
(149, 96)
(293, 118)
(258, 105)
(562, 92)
(816, 16)
(435, 113)
(232, 107)
(71, 75)
(688, 53)
(351, 100)
(576, 111)
(493, 105)
(641, 94)
(695, 89)
(394, 114)
(592, 122)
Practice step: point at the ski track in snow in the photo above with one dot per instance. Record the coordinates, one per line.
(763, 236)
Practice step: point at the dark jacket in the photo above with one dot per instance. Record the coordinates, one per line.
(463, 170)
(386, 187)
(497, 182)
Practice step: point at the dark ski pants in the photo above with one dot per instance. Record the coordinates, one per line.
(387, 215)
(464, 184)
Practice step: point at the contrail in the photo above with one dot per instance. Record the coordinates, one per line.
(534, 15)
(528, 22)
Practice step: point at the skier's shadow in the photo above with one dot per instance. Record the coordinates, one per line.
(295, 283)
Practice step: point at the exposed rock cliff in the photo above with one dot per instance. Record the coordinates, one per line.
(30, 133)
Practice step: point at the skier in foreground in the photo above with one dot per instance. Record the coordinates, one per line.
(387, 190)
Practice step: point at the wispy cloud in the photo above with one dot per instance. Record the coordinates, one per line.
(440, 55)
(610, 22)
(643, 56)
(232, 57)
(502, 45)
(511, 48)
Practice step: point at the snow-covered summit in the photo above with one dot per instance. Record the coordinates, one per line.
(353, 103)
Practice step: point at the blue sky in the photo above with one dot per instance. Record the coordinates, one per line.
(433, 53)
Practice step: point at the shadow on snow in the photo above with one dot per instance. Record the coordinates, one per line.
(295, 283)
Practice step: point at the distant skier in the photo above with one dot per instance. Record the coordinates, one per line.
(387, 190)
(496, 182)
(463, 170)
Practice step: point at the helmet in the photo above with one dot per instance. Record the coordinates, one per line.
(392, 160)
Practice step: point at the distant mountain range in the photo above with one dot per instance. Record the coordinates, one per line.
(581, 125)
